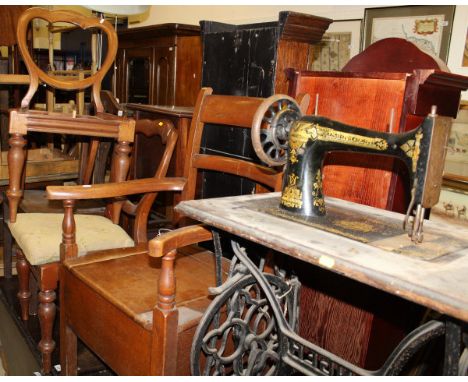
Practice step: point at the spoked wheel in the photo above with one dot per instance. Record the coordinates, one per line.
(270, 128)
(238, 334)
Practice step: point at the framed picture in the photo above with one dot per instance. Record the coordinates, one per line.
(339, 44)
(453, 201)
(427, 26)
(452, 206)
(459, 45)
(456, 160)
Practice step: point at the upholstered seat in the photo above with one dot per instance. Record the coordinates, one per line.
(39, 235)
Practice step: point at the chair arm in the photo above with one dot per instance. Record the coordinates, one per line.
(112, 190)
(165, 246)
(181, 237)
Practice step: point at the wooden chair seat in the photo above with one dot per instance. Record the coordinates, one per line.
(125, 284)
(39, 235)
(36, 201)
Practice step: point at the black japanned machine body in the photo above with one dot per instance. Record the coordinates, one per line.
(421, 149)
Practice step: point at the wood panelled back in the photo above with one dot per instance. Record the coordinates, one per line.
(293, 55)
(164, 89)
(188, 70)
(363, 102)
(173, 53)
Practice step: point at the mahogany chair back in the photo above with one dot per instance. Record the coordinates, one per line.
(235, 112)
(36, 73)
(167, 133)
(102, 125)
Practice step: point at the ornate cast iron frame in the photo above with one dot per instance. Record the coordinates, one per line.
(250, 329)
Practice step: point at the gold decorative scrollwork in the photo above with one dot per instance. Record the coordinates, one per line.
(417, 150)
(291, 195)
(319, 202)
(302, 131)
(412, 148)
(408, 147)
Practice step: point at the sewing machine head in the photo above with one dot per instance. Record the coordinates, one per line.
(282, 135)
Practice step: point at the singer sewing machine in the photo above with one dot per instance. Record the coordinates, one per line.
(279, 127)
(251, 326)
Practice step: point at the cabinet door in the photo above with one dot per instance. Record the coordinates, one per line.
(235, 63)
(164, 76)
(138, 65)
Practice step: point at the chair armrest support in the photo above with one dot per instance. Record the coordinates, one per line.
(112, 190)
(165, 246)
(181, 237)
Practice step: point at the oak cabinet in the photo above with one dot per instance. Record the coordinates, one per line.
(159, 65)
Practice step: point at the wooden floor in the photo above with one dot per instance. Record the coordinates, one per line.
(88, 363)
(16, 356)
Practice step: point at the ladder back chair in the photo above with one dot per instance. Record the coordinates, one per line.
(133, 316)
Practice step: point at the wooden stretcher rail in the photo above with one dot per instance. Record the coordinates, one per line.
(14, 79)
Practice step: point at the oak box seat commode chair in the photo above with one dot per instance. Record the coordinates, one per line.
(138, 312)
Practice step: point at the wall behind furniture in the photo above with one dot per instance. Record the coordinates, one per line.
(242, 14)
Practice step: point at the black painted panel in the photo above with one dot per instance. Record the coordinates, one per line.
(236, 61)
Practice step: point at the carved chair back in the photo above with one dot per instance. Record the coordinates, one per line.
(167, 133)
(36, 73)
(100, 126)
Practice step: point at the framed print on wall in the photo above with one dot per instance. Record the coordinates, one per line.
(456, 160)
(427, 26)
(339, 44)
(453, 201)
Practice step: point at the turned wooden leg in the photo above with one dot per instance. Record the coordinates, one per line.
(46, 313)
(24, 294)
(165, 319)
(119, 172)
(16, 159)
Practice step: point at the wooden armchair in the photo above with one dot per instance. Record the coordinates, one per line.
(125, 305)
(38, 235)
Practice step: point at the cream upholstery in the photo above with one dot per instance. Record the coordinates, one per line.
(39, 235)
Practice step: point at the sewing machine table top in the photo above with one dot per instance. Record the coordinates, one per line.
(360, 242)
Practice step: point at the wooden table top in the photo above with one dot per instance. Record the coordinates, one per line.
(360, 242)
(177, 111)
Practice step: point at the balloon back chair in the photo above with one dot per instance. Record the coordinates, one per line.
(125, 304)
(43, 239)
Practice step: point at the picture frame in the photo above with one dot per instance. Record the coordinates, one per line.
(340, 43)
(428, 26)
(353, 26)
(456, 159)
(453, 200)
(458, 44)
